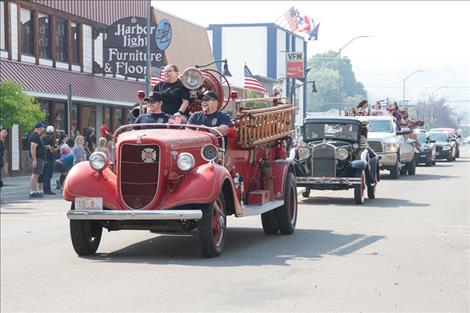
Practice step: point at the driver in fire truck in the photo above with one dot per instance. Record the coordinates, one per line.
(154, 111)
(210, 116)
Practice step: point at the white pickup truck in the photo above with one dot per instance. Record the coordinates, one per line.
(397, 153)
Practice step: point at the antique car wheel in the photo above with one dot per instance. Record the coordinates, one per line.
(306, 193)
(359, 189)
(287, 214)
(412, 167)
(212, 228)
(86, 236)
(270, 223)
(371, 187)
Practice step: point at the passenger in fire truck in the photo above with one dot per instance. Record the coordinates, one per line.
(154, 111)
(210, 116)
(175, 94)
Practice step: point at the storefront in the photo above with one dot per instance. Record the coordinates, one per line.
(47, 45)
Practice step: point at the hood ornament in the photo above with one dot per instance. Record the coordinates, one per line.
(139, 138)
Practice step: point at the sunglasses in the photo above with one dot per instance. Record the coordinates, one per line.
(205, 99)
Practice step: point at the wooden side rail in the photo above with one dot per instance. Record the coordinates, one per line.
(260, 126)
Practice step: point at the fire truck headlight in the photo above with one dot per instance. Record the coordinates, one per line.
(185, 161)
(209, 152)
(98, 161)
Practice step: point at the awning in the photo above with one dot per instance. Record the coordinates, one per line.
(46, 82)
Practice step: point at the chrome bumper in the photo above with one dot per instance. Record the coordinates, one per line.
(329, 180)
(119, 215)
(388, 158)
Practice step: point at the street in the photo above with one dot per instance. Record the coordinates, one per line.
(406, 251)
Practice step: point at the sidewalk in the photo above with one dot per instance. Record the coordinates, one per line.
(16, 189)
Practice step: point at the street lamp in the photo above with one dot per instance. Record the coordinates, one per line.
(432, 102)
(314, 90)
(226, 72)
(404, 81)
(340, 70)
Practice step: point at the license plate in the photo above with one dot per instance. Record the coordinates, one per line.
(423, 155)
(88, 203)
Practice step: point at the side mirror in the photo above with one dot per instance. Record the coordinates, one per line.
(459, 136)
(404, 131)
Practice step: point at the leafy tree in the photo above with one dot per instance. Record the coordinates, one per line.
(443, 115)
(325, 73)
(16, 107)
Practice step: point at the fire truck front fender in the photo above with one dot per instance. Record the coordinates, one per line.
(83, 181)
(202, 186)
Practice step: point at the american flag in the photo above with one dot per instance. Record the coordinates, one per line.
(159, 77)
(291, 18)
(251, 82)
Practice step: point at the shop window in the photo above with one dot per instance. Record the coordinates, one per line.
(27, 31)
(44, 36)
(61, 40)
(118, 118)
(98, 44)
(74, 28)
(107, 117)
(58, 113)
(3, 25)
(73, 117)
(87, 117)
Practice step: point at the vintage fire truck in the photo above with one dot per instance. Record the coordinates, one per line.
(183, 178)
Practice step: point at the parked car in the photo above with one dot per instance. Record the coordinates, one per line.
(426, 148)
(454, 135)
(397, 153)
(446, 147)
(336, 156)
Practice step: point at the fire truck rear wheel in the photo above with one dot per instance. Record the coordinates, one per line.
(287, 214)
(86, 236)
(270, 223)
(212, 228)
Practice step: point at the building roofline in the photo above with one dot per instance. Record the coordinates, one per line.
(212, 26)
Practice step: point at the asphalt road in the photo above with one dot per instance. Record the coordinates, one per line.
(406, 251)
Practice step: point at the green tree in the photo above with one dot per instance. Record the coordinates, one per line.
(16, 107)
(325, 73)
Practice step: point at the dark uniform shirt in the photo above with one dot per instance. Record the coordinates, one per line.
(210, 120)
(173, 95)
(40, 149)
(152, 118)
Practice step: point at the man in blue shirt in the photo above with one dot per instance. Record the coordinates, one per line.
(210, 116)
(154, 109)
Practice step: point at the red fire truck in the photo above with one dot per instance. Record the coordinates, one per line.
(183, 178)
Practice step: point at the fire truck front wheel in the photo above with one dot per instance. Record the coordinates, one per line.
(212, 228)
(86, 236)
(287, 214)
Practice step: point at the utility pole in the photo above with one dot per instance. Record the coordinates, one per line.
(404, 82)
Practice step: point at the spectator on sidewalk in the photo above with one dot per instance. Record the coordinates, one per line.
(63, 166)
(3, 136)
(90, 139)
(38, 155)
(49, 143)
(64, 147)
(64, 150)
(78, 150)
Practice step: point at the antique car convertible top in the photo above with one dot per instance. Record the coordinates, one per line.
(334, 155)
(180, 178)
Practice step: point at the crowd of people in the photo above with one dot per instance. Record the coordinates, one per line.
(401, 115)
(56, 152)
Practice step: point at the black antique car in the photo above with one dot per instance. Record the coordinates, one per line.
(334, 155)
(426, 148)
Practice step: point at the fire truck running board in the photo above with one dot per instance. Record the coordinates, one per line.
(249, 210)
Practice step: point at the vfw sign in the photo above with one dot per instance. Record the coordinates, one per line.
(125, 48)
(295, 64)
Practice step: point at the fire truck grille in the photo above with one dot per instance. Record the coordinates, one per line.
(376, 146)
(324, 162)
(139, 169)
